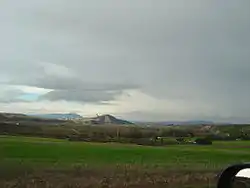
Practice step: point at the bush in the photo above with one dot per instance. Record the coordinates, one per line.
(180, 139)
(203, 141)
(169, 141)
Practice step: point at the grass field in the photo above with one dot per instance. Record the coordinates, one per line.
(119, 164)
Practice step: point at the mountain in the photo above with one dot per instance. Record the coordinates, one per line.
(58, 116)
(107, 119)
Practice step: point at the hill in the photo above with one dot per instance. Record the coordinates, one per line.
(107, 119)
(12, 117)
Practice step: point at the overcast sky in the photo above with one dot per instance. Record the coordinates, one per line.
(137, 59)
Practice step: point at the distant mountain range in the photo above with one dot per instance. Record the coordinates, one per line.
(193, 122)
(58, 116)
(102, 119)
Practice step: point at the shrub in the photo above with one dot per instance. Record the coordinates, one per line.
(180, 139)
(203, 141)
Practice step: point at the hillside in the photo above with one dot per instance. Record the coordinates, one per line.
(13, 117)
(107, 119)
(6, 116)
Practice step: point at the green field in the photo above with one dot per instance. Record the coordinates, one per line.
(51, 153)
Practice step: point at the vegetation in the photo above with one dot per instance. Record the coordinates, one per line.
(203, 141)
(65, 152)
(118, 164)
(143, 135)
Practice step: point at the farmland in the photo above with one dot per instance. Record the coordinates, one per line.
(56, 153)
(120, 164)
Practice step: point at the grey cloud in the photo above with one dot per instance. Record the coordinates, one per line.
(196, 51)
(75, 83)
(81, 96)
(70, 86)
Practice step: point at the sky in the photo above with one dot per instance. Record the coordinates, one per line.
(136, 59)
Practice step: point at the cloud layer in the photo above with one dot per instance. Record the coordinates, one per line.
(189, 59)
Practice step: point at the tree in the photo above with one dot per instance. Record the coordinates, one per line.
(135, 133)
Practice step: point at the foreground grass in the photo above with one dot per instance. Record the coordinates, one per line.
(59, 162)
(50, 151)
